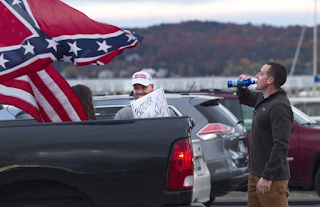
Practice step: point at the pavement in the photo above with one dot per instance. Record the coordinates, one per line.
(295, 198)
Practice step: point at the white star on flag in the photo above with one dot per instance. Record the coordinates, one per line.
(74, 48)
(3, 61)
(16, 2)
(131, 37)
(52, 44)
(103, 46)
(28, 48)
(66, 58)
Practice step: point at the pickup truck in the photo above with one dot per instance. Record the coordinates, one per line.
(141, 162)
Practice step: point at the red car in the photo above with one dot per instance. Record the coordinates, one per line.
(304, 152)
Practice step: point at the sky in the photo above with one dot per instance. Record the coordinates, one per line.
(145, 13)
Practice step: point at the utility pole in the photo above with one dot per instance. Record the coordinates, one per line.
(314, 48)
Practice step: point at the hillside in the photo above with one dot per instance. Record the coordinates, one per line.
(197, 48)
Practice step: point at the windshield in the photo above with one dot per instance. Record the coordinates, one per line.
(301, 118)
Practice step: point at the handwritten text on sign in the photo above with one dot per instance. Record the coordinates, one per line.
(151, 105)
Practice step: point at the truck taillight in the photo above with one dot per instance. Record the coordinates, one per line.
(215, 130)
(181, 166)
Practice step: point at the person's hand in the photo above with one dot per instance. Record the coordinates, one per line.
(243, 77)
(263, 185)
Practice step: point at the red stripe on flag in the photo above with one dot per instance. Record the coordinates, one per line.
(105, 59)
(51, 99)
(22, 70)
(44, 115)
(64, 86)
(20, 84)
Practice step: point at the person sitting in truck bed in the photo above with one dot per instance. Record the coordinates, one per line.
(84, 93)
(142, 85)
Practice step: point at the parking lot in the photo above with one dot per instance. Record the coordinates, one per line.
(297, 197)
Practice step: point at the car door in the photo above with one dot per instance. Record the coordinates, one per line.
(293, 153)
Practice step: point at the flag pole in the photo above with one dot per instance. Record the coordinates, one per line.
(314, 48)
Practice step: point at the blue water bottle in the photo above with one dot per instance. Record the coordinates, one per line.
(238, 83)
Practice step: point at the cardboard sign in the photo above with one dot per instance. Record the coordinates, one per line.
(151, 105)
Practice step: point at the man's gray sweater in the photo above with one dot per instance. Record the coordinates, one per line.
(271, 127)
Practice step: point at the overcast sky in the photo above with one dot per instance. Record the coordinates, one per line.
(145, 13)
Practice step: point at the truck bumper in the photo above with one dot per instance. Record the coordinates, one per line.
(201, 186)
(235, 183)
(225, 176)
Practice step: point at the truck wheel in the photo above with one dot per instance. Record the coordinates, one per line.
(209, 203)
(317, 182)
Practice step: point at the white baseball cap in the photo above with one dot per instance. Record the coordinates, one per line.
(141, 77)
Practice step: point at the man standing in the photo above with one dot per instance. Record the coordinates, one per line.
(269, 140)
(142, 85)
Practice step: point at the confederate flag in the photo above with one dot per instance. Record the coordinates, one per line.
(34, 33)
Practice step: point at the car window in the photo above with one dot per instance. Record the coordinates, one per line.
(23, 115)
(107, 110)
(247, 116)
(302, 118)
(247, 112)
(5, 115)
(218, 114)
(112, 110)
(9, 112)
(233, 106)
(242, 112)
(175, 110)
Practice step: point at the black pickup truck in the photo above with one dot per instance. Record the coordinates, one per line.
(145, 162)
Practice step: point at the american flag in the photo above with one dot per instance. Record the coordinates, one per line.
(45, 95)
(34, 33)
